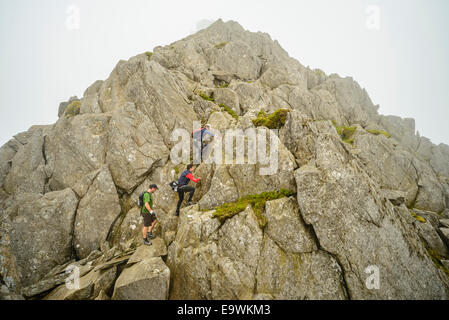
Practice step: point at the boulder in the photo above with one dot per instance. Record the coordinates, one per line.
(444, 232)
(393, 168)
(27, 173)
(229, 98)
(7, 153)
(306, 276)
(432, 239)
(96, 213)
(41, 232)
(286, 227)
(134, 147)
(444, 223)
(351, 222)
(90, 286)
(222, 190)
(157, 249)
(74, 148)
(148, 279)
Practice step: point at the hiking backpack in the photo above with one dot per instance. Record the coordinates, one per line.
(140, 199)
(174, 185)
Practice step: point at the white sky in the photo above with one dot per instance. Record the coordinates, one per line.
(402, 64)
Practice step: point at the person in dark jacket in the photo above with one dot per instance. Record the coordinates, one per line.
(183, 182)
(200, 146)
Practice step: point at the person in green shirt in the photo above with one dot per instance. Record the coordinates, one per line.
(149, 217)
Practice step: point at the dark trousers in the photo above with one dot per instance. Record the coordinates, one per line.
(181, 191)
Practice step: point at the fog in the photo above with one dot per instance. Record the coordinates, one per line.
(397, 50)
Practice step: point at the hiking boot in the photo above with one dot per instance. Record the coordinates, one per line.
(190, 203)
(150, 235)
(147, 242)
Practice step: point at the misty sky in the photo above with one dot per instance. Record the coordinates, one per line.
(397, 50)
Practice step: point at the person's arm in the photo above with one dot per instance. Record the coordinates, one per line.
(191, 177)
(146, 200)
(209, 133)
(147, 205)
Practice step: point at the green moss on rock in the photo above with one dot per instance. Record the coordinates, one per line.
(149, 54)
(221, 45)
(436, 258)
(418, 217)
(377, 132)
(345, 132)
(230, 111)
(73, 109)
(273, 121)
(257, 202)
(206, 97)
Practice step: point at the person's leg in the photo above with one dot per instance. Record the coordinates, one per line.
(150, 230)
(146, 225)
(144, 232)
(181, 199)
(204, 152)
(191, 191)
(196, 151)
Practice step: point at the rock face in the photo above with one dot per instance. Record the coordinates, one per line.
(353, 223)
(368, 219)
(149, 279)
(40, 231)
(96, 212)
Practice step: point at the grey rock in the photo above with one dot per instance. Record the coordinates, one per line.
(41, 232)
(444, 232)
(7, 153)
(432, 239)
(444, 223)
(157, 249)
(27, 173)
(229, 98)
(286, 227)
(97, 211)
(90, 286)
(147, 280)
(76, 147)
(287, 276)
(352, 224)
(222, 189)
(135, 147)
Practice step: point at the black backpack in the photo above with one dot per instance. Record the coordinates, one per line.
(140, 199)
(174, 185)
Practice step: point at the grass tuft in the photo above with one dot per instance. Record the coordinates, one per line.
(73, 109)
(257, 203)
(230, 111)
(345, 132)
(418, 217)
(221, 45)
(206, 97)
(273, 121)
(377, 132)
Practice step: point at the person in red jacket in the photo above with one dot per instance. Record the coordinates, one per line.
(184, 187)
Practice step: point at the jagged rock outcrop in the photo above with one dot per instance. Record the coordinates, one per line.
(148, 279)
(40, 228)
(370, 191)
(97, 211)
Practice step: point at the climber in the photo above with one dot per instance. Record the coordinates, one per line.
(183, 186)
(200, 148)
(149, 217)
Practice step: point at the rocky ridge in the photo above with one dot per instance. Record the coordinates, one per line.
(369, 191)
